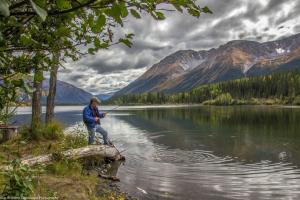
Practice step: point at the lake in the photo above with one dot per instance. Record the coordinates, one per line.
(200, 152)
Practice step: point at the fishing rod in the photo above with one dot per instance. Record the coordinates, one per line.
(113, 109)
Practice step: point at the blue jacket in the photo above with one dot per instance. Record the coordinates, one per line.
(88, 118)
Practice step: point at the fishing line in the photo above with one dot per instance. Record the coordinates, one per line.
(112, 109)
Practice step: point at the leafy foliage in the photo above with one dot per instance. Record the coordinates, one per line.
(222, 99)
(36, 35)
(11, 89)
(77, 137)
(20, 180)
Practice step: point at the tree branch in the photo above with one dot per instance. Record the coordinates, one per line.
(21, 3)
(55, 12)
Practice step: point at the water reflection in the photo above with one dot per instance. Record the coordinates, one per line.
(205, 152)
(212, 153)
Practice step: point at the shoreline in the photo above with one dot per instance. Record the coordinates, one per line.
(62, 178)
(178, 105)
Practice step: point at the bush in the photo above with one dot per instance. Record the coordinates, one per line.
(51, 131)
(75, 141)
(221, 100)
(296, 100)
(20, 180)
(224, 99)
(76, 136)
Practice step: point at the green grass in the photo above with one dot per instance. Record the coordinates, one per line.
(51, 131)
(63, 178)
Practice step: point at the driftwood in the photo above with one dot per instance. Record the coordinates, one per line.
(104, 151)
(112, 178)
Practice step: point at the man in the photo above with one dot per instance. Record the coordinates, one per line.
(91, 118)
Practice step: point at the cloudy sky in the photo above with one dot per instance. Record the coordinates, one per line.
(110, 70)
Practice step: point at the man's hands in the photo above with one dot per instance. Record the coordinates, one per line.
(97, 119)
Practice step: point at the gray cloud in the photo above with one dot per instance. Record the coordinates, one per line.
(259, 20)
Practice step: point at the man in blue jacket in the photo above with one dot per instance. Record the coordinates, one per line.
(91, 118)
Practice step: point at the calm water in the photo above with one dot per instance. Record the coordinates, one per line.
(203, 152)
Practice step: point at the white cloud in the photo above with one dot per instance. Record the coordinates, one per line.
(89, 80)
(109, 70)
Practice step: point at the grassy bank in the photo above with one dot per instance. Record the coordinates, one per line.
(227, 99)
(61, 179)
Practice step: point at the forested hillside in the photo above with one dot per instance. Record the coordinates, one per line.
(277, 88)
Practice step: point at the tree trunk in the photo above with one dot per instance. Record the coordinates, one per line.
(36, 100)
(104, 151)
(51, 95)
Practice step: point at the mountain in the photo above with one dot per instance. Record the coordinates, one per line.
(67, 94)
(187, 69)
(105, 96)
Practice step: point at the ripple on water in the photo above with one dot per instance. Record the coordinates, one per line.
(169, 170)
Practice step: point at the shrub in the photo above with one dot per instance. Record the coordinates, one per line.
(221, 100)
(76, 136)
(51, 131)
(20, 180)
(296, 100)
(75, 141)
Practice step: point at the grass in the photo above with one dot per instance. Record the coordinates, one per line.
(52, 141)
(51, 131)
(63, 178)
(76, 188)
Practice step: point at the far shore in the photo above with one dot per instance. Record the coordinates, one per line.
(173, 105)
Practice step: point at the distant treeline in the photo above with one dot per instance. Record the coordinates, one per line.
(277, 88)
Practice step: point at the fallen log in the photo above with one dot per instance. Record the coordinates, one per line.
(112, 178)
(104, 151)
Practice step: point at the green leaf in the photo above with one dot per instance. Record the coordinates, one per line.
(126, 42)
(116, 9)
(25, 39)
(124, 11)
(40, 11)
(63, 4)
(38, 76)
(194, 12)
(178, 7)
(130, 35)
(90, 20)
(4, 8)
(100, 23)
(135, 13)
(63, 31)
(17, 83)
(115, 12)
(91, 51)
(97, 43)
(207, 10)
(160, 16)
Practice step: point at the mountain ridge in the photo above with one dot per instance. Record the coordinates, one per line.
(186, 69)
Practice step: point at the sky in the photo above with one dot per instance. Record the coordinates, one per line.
(112, 69)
